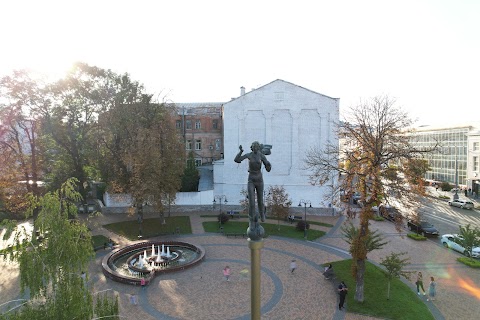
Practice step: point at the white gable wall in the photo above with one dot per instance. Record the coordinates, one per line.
(290, 118)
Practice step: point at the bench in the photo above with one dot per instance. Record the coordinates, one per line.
(234, 214)
(293, 218)
(243, 235)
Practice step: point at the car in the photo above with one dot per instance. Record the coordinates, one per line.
(356, 196)
(464, 204)
(422, 227)
(453, 241)
(389, 212)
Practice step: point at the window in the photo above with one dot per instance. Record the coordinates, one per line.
(178, 124)
(198, 162)
(198, 124)
(198, 144)
(189, 124)
(476, 146)
(217, 144)
(189, 145)
(215, 124)
(475, 163)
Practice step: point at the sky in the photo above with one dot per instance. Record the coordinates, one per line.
(423, 53)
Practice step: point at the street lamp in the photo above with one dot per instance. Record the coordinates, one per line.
(304, 203)
(220, 198)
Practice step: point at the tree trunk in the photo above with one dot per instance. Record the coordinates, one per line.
(360, 280)
(388, 290)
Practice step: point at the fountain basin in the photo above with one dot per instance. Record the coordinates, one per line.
(120, 265)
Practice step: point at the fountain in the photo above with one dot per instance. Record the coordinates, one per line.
(131, 263)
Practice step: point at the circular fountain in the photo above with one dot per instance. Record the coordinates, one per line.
(146, 259)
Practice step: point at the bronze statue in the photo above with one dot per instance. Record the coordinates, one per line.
(255, 183)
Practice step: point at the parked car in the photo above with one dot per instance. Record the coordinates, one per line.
(453, 241)
(356, 196)
(389, 212)
(464, 204)
(424, 228)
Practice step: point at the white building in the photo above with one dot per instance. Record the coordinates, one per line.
(290, 118)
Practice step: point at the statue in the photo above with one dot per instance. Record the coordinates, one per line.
(255, 183)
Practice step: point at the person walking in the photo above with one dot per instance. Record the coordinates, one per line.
(226, 273)
(342, 292)
(432, 289)
(293, 266)
(419, 283)
(142, 283)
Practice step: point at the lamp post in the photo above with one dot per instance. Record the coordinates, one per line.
(305, 203)
(220, 198)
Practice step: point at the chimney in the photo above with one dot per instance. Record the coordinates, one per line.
(242, 91)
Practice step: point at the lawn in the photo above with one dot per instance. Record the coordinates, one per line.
(98, 241)
(151, 227)
(270, 229)
(403, 304)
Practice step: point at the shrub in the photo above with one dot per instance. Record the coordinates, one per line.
(446, 186)
(223, 218)
(378, 218)
(415, 236)
(301, 225)
(469, 262)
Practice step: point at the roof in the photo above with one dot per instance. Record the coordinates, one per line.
(233, 99)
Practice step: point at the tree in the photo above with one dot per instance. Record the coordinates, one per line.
(278, 203)
(394, 266)
(20, 151)
(469, 238)
(145, 155)
(191, 177)
(51, 269)
(378, 133)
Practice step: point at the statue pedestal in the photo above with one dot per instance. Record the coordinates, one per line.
(255, 295)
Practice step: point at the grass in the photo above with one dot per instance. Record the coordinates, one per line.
(402, 305)
(151, 227)
(328, 225)
(270, 229)
(98, 241)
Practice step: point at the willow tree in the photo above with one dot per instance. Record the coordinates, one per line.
(377, 143)
(51, 266)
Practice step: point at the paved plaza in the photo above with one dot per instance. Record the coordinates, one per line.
(202, 293)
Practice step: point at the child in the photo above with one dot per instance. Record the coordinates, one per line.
(226, 273)
(293, 266)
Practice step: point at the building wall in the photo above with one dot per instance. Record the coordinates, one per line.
(473, 161)
(201, 127)
(290, 118)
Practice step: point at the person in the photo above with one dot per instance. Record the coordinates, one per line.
(255, 185)
(342, 291)
(419, 283)
(293, 266)
(133, 299)
(142, 283)
(226, 273)
(466, 193)
(328, 271)
(432, 289)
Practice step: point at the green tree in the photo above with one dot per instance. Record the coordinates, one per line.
(191, 177)
(380, 142)
(144, 152)
(394, 268)
(278, 203)
(51, 269)
(469, 238)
